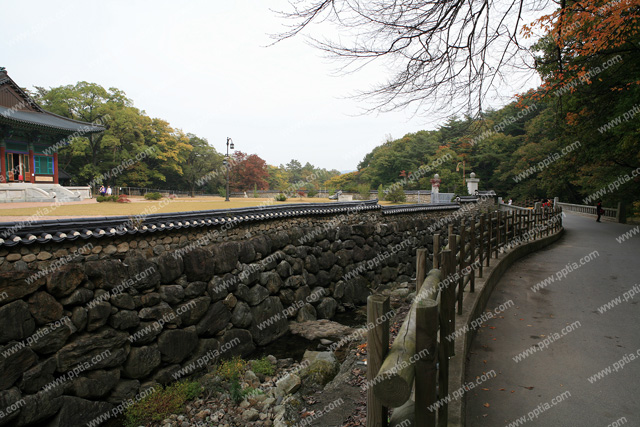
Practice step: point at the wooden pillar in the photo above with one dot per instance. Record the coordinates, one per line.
(426, 372)
(3, 164)
(436, 250)
(498, 232)
(377, 347)
(32, 166)
(55, 167)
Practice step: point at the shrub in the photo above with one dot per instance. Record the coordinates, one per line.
(281, 197)
(153, 196)
(161, 404)
(171, 196)
(222, 192)
(312, 193)
(396, 195)
(231, 368)
(122, 199)
(101, 199)
(255, 191)
(262, 366)
(380, 192)
(364, 190)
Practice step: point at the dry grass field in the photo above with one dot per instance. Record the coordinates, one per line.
(138, 206)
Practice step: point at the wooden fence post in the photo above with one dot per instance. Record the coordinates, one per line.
(436, 251)
(498, 232)
(446, 346)
(421, 268)
(463, 239)
(490, 238)
(377, 347)
(481, 251)
(472, 256)
(426, 373)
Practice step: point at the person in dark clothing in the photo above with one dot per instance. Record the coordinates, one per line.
(599, 210)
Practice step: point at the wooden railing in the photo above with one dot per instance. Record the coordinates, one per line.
(418, 361)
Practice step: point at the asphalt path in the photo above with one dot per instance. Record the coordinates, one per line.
(575, 334)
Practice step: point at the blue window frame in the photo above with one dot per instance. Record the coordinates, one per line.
(43, 165)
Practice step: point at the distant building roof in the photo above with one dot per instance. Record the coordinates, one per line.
(18, 109)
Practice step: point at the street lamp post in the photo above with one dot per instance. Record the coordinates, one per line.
(227, 163)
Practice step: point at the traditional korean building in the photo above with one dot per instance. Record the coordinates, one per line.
(29, 140)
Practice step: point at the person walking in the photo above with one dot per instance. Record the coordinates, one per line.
(102, 190)
(108, 190)
(599, 210)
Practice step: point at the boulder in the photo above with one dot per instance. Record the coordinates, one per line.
(95, 384)
(315, 330)
(8, 398)
(141, 362)
(327, 308)
(17, 322)
(288, 384)
(85, 347)
(192, 311)
(107, 273)
(321, 367)
(39, 406)
(199, 265)
(124, 319)
(170, 266)
(64, 280)
(13, 365)
(98, 315)
(37, 377)
(269, 321)
(241, 316)
(166, 375)
(17, 284)
(195, 289)
(284, 269)
(79, 318)
(78, 297)
(52, 338)
(236, 342)
(311, 264)
(75, 411)
(226, 256)
(214, 320)
(253, 296)
(176, 344)
(161, 311)
(144, 273)
(171, 294)
(261, 245)
(246, 252)
(272, 281)
(307, 312)
(124, 390)
(207, 353)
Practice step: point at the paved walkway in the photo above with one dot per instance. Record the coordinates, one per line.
(551, 387)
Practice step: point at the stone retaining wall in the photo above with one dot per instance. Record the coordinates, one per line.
(88, 324)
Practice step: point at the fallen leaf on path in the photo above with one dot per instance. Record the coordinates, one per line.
(486, 405)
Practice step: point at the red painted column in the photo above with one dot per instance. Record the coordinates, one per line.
(3, 165)
(55, 167)
(32, 164)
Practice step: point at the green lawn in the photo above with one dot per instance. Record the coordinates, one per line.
(138, 207)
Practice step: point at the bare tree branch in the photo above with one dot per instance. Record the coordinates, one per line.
(447, 53)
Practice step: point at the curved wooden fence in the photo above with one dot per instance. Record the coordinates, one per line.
(417, 364)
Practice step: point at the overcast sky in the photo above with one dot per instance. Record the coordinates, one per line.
(204, 67)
